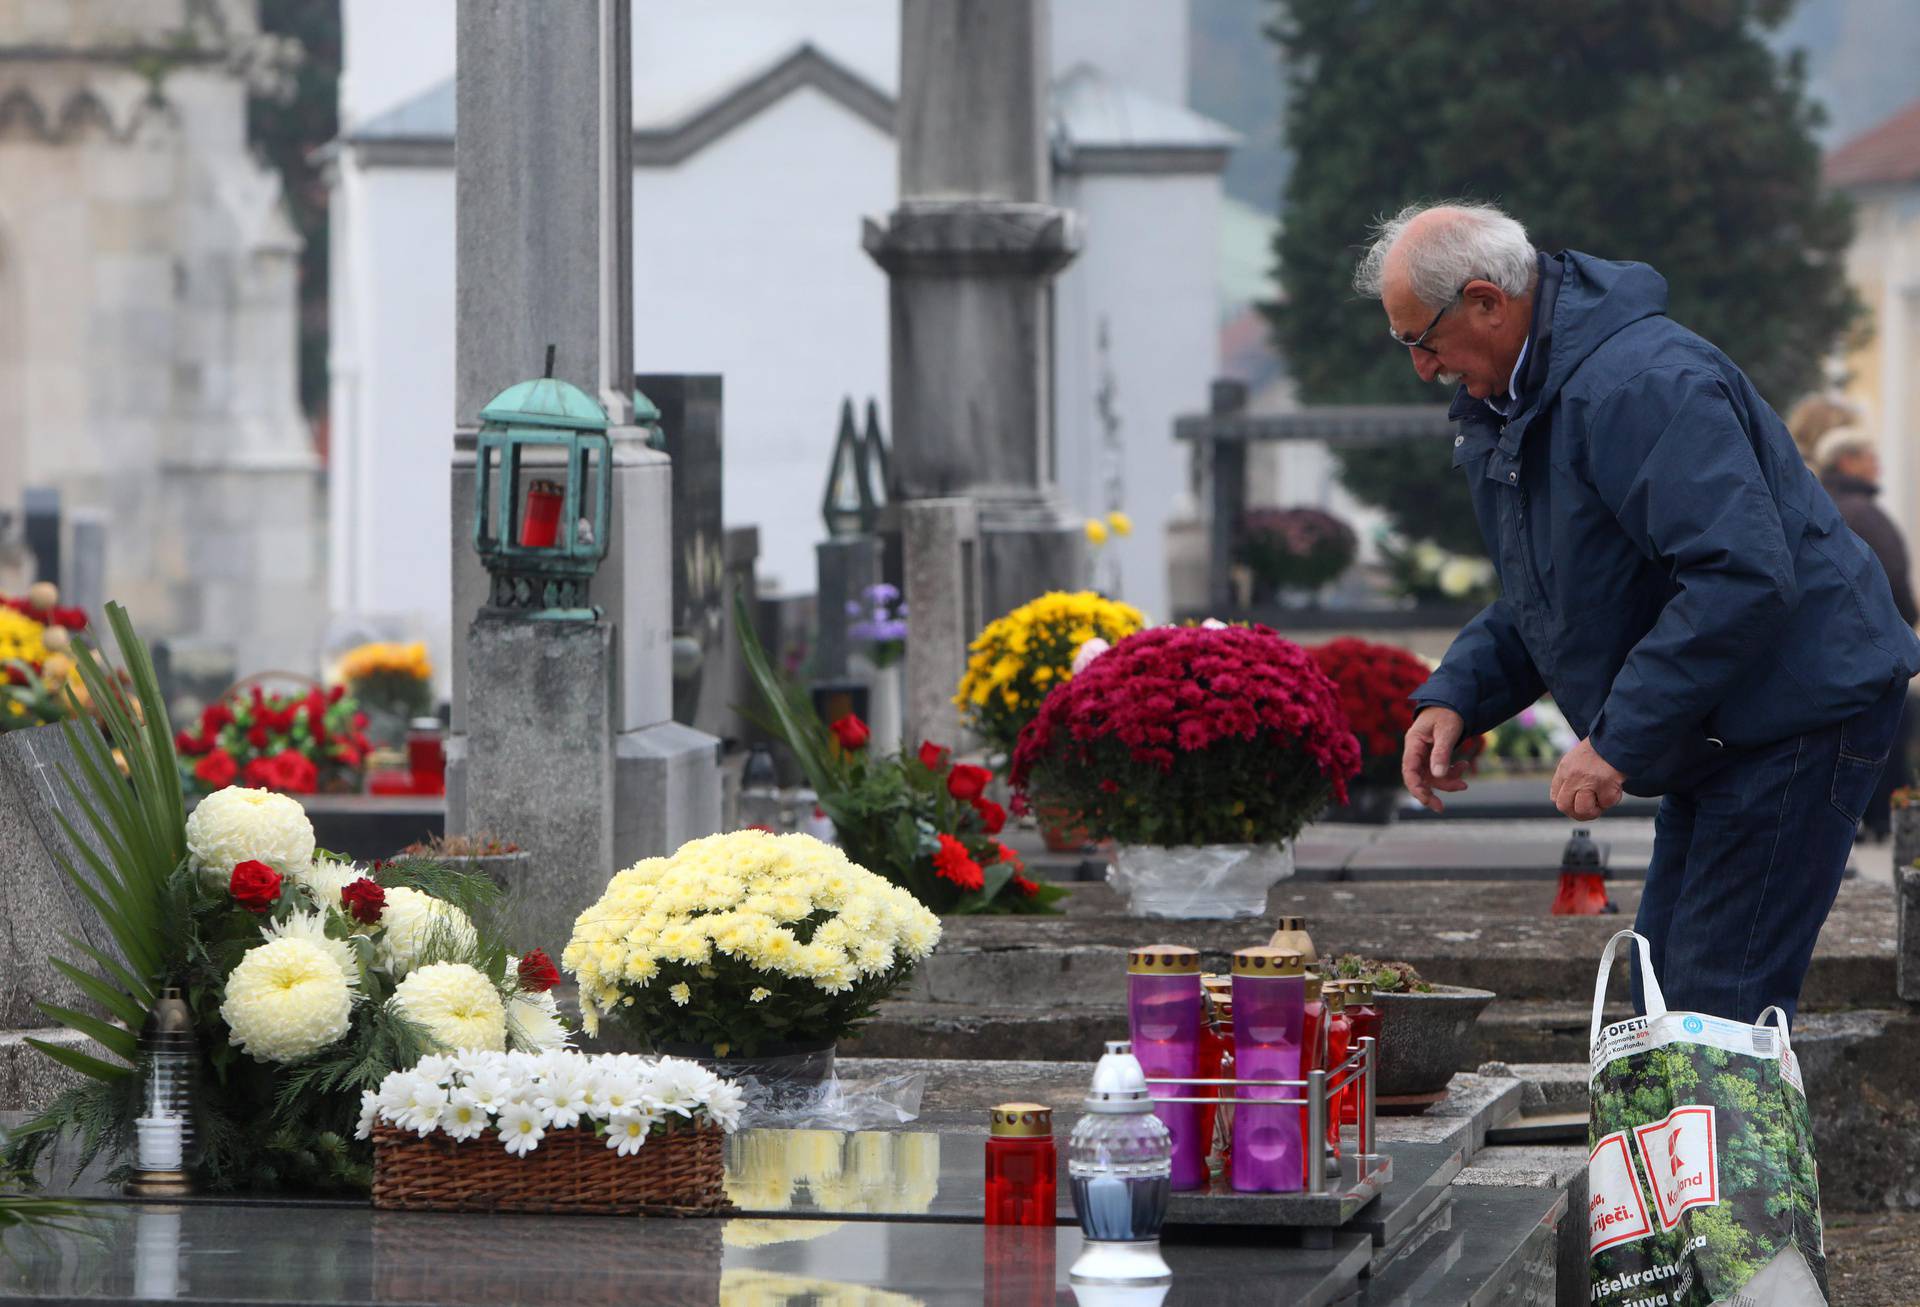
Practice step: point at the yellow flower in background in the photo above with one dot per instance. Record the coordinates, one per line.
(1119, 523)
(1018, 658)
(21, 638)
(1096, 531)
(369, 660)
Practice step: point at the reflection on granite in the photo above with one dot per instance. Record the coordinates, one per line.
(274, 1255)
(864, 1172)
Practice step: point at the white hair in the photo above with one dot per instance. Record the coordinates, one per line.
(1840, 442)
(1477, 241)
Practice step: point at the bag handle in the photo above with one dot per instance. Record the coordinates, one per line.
(1780, 1024)
(1649, 983)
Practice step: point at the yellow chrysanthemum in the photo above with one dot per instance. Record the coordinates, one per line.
(1018, 658)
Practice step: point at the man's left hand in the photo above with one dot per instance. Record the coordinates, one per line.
(1585, 784)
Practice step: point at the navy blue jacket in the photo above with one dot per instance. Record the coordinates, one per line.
(1669, 568)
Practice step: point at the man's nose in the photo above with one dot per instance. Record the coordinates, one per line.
(1426, 366)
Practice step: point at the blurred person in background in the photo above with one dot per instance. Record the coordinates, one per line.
(1812, 418)
(1849, 465)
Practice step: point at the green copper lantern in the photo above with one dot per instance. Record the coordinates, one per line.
(542, 536)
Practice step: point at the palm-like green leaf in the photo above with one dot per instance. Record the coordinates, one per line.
(138, 824)
(792, 712)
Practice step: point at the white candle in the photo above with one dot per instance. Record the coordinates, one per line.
(161, 1143)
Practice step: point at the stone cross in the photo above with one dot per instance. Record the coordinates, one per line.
(970, 253)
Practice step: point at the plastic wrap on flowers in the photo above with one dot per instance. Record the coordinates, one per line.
(1199, 880)
(832, 1103)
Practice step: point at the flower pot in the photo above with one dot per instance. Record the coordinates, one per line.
(1060, 829)
(1367, 805)
(791, 1065)
(1426, 1037)
(1199, 881)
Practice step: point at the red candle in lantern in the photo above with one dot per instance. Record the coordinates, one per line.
(427, 756)
(540, 523)
(1021, 1166)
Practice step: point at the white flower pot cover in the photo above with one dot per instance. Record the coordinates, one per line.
(1199, 880)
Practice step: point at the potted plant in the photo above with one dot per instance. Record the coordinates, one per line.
(1201, 751)
(1374, 682)
(1018, 659)
(392, 683)
(1295, 550)
(750, 952)
(500, 860)
(1425, 1029)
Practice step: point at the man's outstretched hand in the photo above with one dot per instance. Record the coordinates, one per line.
(1427, 763)
(1585, 784)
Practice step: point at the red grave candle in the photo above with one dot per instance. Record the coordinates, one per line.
(540, 522)
(1021, 1166)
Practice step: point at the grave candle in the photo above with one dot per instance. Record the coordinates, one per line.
(1313, 1048)
(1269, 998)
(1339, 1044)
(1163, 1018)
(540, 522)
(1364, 1015)
(1021, 1166)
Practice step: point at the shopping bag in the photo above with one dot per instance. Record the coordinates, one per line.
(1701, 1181)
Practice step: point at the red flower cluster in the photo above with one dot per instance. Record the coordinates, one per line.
(954, 863)
(364, 901)
(537, 972)
(1176, 730)
(74, 619)
(254, 885)
(288, 743)
(1374, 682)
(851, 732)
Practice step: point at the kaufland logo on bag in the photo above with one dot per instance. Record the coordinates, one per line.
(1683, 1164)
(1616, 1211)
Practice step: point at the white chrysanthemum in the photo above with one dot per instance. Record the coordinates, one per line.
(285, 1000)
(521, 1129)
(236, 825)
(312, 927)
(535, 1018)
(416, 922)
(324, 879)
(456, 1004)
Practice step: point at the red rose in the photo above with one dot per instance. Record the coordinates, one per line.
(257, 735)
(216, 770)
(537, 972)
(254, 886)
(184, 742)
(966, 783)
(295, 772)
(260, 774)
(932, 756)
(992, 815)
(954, 863)
(336, 694)
(214, 717)
(851, 732)
(364, 901)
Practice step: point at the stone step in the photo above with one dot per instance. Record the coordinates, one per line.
(1495, 1244)
(29, 1079)
(1480, 934)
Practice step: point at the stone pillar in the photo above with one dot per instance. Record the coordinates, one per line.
(543, 228)
(970, 253)
(940, 540)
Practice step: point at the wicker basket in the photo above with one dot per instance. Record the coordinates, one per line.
(572, 1171)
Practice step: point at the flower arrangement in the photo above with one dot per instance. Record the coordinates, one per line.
(1531, 740)
(1191, 735)
(1018, 659)
(1295, 548)
(309, 978)
(36, 634)
(520, 1098)
(1425, 572)
(743, 941)
(922, 822)
(881, 624)
(394, 681)
(1906, 796)
(1373, 682)
(292, 744)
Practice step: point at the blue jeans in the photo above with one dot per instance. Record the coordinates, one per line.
(1747, 861)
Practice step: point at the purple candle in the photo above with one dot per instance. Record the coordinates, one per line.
(1269, 1008)
(1163, 1017)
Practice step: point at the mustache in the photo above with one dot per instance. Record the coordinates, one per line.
(1449, 378)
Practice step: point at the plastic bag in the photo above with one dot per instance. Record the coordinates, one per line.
(832, 1103)
(1701, 1181)
(1199, 880)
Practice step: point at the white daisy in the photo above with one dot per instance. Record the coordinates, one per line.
(563, 1097)
(521, 1129)
(369, 1113)
(464, 1118)
(619, 1091)
(435, 1067)
(627, 1131)
(725, 1103)
(489, 1090)
(679, 1086)
(425, 1106)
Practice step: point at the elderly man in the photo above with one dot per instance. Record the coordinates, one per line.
(1672, 573)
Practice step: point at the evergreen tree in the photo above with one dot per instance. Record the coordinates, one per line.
(1662, 131)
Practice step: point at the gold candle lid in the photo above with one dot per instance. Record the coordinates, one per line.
(1163, 960)
(1335, 995)
(1267, 961)
(1313, 987)
(1022, 1121)
(1360, 991)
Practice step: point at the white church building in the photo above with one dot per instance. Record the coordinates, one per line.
(762, 136)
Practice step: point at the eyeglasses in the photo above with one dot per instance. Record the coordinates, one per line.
(1419, 342)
